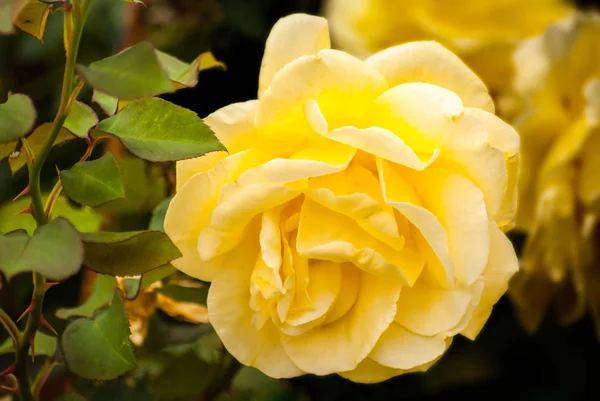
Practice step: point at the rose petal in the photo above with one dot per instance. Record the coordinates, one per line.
(345, 241)
(190, 210)
(432, 63)
(291, 37)
(342, 344)
(400, 348)
(231, 317)
(502, 265)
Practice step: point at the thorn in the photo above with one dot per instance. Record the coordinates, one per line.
(27, 210)
(48, 285)
(44, 322)
(27, 311)
(32, 345)
(8, 371)
(13, 390)
(23, 192)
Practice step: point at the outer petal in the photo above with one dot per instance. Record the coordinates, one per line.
(399, 194)
(400, 348)
(345, 241)
(425, 115)
(501, 135)
(369, 371)
(459, 206)
(291, 37)
(429, 311)
(342, 344)
(231, 317)
(330, 77)
(504, 138)
(486, 167)
(501, 266)
(233, 125)
(190, 210)
(432, 63)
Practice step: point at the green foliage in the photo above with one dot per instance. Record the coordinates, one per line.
(81, 119)
(127, 253)
(55, 250)
(145, 187)
(36, 142)
(133, 73)
(106, 102)
(157, 130)
(157, 222)
(180, 293)
(33, 17)
(102, 295)
(99, 348)
(17, 117)
(186, 74)
(95, 182)
(132, 286)
(43, 344)
(83, 218)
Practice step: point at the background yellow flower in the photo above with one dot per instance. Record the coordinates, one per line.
(558, 85)
(483, 33)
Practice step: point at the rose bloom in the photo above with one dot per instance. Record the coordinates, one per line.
(558, 81)
(353, 227)
(483, 32)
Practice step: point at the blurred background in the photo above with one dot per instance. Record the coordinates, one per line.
(555, 363)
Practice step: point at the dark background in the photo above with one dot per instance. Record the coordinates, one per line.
(504, 363)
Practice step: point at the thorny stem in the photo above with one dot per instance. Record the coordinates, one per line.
(76, 13)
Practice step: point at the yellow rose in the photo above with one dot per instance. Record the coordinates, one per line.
(353, 226)
(558, 83)
(483, 32)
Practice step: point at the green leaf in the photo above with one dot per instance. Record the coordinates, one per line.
(127, 253)
(95, 182)
(12, 247)
(99, 349)
(81, 119)
(158, 215)
(33, 18)
(106, 102)
(55, 250)
(185, 75)
(83, 218)
(17, 117)
(6, 25)
(133, 73)
(132, 286)
(7, 149)
(145, 187)
(36, 142)
(156, 130)
(102, 294)
(179, 293)
(43, 344)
